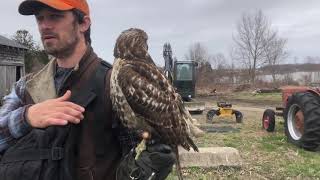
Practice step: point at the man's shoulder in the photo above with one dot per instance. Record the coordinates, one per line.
(105, 64)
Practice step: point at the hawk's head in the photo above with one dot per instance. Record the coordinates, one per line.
(132, 44)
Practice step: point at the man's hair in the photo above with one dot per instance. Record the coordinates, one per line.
(79, 15)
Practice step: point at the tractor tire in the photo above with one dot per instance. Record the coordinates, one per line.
(239, 116)
(268, 120)
(302, 120)
(210, 114)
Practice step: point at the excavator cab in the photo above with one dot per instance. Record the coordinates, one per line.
(184, 78)
(182, 75)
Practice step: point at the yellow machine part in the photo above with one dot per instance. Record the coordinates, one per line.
(225, 112)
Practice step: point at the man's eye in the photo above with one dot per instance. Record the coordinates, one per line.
(56, 16)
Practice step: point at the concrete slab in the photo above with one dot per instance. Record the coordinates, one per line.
(210, 157)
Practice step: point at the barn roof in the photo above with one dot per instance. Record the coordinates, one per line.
(8, 42)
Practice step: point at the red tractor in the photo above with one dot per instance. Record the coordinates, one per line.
(301, 113)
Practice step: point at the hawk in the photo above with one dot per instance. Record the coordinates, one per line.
(143, 98)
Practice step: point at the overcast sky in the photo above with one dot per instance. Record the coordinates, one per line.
(184, 22)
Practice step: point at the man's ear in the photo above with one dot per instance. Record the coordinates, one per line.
(84, 26)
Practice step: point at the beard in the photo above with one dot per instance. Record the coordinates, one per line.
(63, 48)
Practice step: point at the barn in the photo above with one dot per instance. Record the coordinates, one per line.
(11, 64)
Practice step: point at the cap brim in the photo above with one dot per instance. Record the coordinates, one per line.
(30, 7)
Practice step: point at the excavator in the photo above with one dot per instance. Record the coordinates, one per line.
(182, 75)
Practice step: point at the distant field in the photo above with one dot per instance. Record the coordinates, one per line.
(265, 155)
(271, 97)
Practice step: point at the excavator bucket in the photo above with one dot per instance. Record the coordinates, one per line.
(194, 107)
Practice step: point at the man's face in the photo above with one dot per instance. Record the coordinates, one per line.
(59, 32)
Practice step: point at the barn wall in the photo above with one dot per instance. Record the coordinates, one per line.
(11, 54)
(10, 58)
(3, 86)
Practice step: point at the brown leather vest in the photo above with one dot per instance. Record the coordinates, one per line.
(89, 166)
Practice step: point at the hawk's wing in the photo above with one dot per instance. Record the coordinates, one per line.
(151, 96)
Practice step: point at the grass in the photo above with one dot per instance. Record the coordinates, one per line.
(271, 97)
(265, 155)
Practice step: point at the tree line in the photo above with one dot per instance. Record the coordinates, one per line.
(256, 43)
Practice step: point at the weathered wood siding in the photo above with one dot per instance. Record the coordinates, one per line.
(2, 80)
(11, 61)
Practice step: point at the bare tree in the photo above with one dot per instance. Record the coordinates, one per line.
(24, 38)
(197, 52)
(35, 58)
(288, 80)
(218, 61)
(253, 34)
(306, 79)
(295, 60)
(219, 65)
(275, 53)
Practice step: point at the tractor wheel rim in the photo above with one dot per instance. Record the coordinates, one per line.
(266, 122)
(299, 121)
(294, 122)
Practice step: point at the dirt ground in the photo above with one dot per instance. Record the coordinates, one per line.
(252, 114)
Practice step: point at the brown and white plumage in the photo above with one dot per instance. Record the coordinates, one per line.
(142, 96)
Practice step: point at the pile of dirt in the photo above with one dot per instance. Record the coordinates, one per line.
(242, 87)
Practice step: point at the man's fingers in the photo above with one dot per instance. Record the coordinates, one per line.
(72, 105)
(56, 122)
(67, 117)
(145, 135)
(57, 111)
(70, 111)
(65, 97)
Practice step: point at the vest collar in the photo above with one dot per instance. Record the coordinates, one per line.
(41, 86)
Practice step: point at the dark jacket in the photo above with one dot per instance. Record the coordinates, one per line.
(88, 164)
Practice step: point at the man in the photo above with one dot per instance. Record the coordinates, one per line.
(51, 126)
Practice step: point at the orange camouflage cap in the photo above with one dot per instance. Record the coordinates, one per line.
(29, 7)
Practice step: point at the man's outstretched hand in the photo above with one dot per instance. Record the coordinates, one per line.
(57, 111)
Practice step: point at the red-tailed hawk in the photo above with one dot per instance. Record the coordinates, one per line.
(142, 96)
